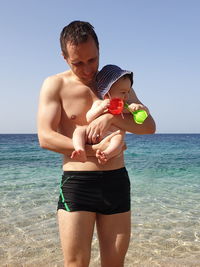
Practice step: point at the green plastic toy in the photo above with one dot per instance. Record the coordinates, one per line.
(139, 116)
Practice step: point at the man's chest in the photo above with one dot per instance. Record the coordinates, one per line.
(75, 104)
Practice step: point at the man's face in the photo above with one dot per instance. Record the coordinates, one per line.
(83, 60)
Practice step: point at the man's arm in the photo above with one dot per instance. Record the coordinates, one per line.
(103, 123)
(128, 124)
(49, 115)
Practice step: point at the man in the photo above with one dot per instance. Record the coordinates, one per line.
(90, 193)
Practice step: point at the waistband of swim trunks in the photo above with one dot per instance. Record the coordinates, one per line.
(107, 172)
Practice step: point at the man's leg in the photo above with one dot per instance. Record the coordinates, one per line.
(76, 231)
(114, 235)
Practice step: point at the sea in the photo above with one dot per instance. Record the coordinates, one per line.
(164, 171)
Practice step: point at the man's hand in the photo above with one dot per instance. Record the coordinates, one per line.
(97, 128)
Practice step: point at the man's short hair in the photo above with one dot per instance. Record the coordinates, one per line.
(77, 32)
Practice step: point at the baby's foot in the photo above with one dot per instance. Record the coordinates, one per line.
(101, 156)
(79, 155)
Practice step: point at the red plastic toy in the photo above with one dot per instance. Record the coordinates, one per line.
(116, 106)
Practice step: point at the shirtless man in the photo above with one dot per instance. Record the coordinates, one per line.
(90, 192)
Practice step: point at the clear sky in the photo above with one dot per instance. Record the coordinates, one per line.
(158, 40)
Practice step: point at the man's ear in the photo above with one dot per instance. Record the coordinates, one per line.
(63, 55)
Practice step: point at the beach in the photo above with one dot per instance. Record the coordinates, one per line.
(164, 171)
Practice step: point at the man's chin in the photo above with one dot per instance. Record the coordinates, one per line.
(88, 80)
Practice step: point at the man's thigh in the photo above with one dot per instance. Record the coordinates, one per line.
(76, 231)
(114, 236)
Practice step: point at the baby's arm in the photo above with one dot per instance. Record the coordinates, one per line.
(79, 139)
(134, 107)
(99, 107)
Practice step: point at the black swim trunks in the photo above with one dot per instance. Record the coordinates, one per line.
(105, 192)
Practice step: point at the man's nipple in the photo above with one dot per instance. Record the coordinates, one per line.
(73, 117)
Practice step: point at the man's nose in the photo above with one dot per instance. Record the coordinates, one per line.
(87, 70)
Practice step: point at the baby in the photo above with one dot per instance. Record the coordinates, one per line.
(112, 82)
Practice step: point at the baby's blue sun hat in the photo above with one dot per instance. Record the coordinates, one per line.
(108, 75)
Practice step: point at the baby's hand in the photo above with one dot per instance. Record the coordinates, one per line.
(105, 104)
(134, 107)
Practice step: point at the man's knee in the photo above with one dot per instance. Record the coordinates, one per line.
(112, 262)
(76, 261)
(113, 257)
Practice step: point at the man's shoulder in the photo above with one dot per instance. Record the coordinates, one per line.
(59, 77)
(55, 82)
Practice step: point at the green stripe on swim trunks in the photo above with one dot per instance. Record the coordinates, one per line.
(62, 196)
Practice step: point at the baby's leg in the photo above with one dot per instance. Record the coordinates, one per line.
(114, 148)
(79, 140)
